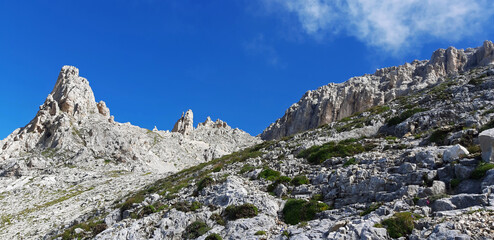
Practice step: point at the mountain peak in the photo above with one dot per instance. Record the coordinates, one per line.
(73, 94)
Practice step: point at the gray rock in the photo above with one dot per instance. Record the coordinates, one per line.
(486, 140)
(454, 153)
(469, 200)
(280, 190)
(443, 204)
(462, 171)
(488, 179)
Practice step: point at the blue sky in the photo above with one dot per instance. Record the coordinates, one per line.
(243, 61)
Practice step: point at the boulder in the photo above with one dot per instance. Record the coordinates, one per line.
(486, 139)
(454, 153)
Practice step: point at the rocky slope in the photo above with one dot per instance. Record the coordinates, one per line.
(74, 158)
(336, 101)
(412, 168)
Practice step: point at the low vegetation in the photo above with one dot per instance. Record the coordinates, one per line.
(300, 180)
(214, 236)
(187, 206)
(269, 174)
(345, 148)
(481, 169)
(373, 207)
(195, 230)
(298, 210)
(404, 116)
(400, 225)
(91, 229)
(246, 210)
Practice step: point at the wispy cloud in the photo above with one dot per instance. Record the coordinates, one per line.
(392, 24)
(259, 47)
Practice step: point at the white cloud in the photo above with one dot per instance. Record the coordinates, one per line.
(391, 24)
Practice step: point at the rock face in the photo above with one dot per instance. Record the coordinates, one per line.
(365, 169)
(486, 139)
(185, 124)
(336, 101)
(74, 151)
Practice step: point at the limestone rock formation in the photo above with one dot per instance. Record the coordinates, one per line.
(486, 139)
(335, 101)
(363, 177)
(74, 151)
(185, 124)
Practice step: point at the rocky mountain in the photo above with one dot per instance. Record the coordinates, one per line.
(336, 101)
(420, 167)
(73, 158)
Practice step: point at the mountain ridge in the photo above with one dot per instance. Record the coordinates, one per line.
(335, 101)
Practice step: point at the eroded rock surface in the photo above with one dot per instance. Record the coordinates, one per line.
(336, 101)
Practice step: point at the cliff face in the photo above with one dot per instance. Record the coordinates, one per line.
(335, 101)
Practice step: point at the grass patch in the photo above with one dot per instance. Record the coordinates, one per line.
(439, 136)
(269, 174)
(298, 210)
(91, 229)
(481, 169)
(401, 224)
(218, 219)
(454, 183)
(404, 116)
(214, 236)
(299, 180)
(246, 210)
(187, 206)
(205, 182)
(351, 161)
(246, 168)
(258, 233)
(345, 148)
(373, 207)
(486, 126)
(195, 230)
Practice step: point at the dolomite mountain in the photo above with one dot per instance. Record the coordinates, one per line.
(74, 150)
(336, 101)
(421, 166)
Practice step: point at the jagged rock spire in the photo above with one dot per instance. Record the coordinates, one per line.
(185, 124)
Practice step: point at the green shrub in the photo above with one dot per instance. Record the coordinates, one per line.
(195, 230)
(299, 180)
(297, 210)
(217, 168)
(214, 236)
(246, 210)
(345, 148)
(205, 182)
(91, 229)
(401, 224)
(350, 161)
(246, 168)
(280, 179)
(373, 207)
(187, 206)
(269, 174)
(439, 136)
(454, 183)
(138, 198)
(218, 219)
(486, 126)
(404, 116)
(481, 169)
(260, 233)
